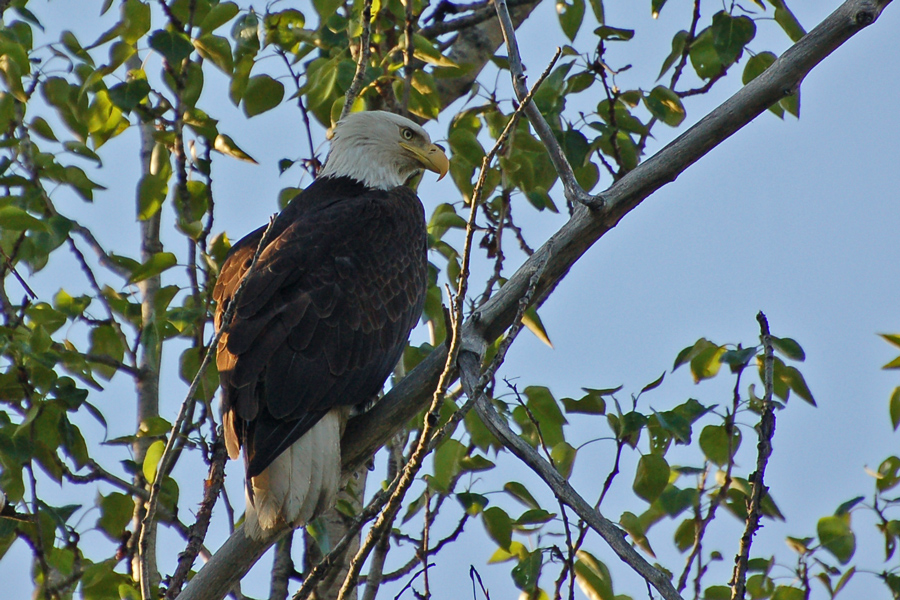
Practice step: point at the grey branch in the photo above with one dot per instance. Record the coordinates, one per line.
(574, 192)
(366, 433)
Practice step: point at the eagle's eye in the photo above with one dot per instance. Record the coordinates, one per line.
(407, 133)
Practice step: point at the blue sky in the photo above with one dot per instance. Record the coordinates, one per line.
(795, 218)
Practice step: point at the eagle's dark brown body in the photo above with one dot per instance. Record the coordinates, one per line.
(325, 315)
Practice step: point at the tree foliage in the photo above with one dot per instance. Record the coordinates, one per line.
(149, 75)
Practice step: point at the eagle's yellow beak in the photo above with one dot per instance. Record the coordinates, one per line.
(432, 158)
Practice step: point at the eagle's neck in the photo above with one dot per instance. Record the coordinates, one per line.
(367, 163)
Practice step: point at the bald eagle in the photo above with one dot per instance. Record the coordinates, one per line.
(324, 316)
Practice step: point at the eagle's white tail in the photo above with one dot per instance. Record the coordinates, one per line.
(301, 483)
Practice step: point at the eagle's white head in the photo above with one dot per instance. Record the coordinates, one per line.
(382, 150)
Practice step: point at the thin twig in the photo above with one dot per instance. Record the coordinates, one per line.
(213, 485)
(574, 192)
(758, 489)
(362, 61)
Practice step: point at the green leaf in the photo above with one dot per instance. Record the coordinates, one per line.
(847, 506)
(190, 365)
(217, 16)
(655, 7)
(789, 348)
(135, 21)
(895, 408)
(40, 127)
(717, 592)
(651, 477)
(714, 443)
(115, 514)
(152, 192)
(151, 460)
(326, 8)
(173, 46)
(534, 516)
(226, 145)
(516, 550)
(475, 462)
(521, 493)
(614, 34)
(888, 474)
(756, 65)
(105, 341)
(563, 455)
(443, 218)
(525, 574)
(705, 365)
(546, 411)
(472, 503)
(891, 338)
(591, 403)
(215, 48)
(424, 50)
(71, 307)
(155, 265)
(593, 577)
(446, 464)
(498, 525)
(126, 96)
(845, 578)
(632, 524)
(597, 8)
(464, 143)
(261, 94)
(571, 15)
(783, 592)
(787, 20)
(654, 384)
(730, 35)
(795, 380)
(836, 536)
(704, 56)
(16, 219)
(532, 321)
(677, 50)
(665, 105)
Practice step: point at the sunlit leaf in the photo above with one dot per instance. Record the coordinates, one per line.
(665, 106)
(151, 460)
(226, 145)
(155, 265)
(593, 577)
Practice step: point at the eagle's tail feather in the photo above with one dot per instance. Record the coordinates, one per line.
(301, 483)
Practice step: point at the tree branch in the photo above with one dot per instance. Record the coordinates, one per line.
(758, 489)
(574, 192)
